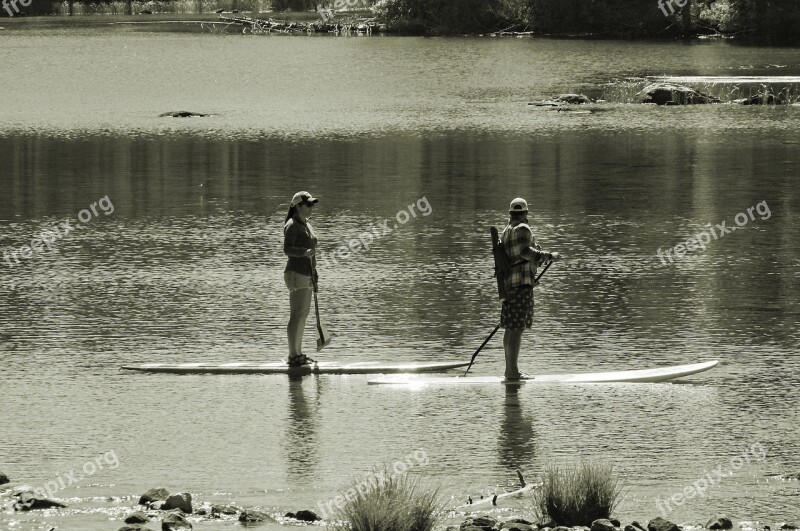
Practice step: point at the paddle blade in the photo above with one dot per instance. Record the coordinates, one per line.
(323, 337)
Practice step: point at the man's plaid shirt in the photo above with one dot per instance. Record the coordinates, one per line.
(524, 258)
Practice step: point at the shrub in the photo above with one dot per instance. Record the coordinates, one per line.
(576, 495)
(394, 504)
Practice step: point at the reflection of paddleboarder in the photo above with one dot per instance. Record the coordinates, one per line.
(299, 244)
(523, 256)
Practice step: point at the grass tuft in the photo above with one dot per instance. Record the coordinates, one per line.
(386, 503)
(576, 495)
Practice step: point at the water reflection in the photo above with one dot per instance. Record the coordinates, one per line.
(301, 442)
(516, 443)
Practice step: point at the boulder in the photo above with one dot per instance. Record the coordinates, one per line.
(720, 522)
(615, 522)
(250, 516)
(182, 501)
(137, 518)
(304, 516)
(669, 94)
(153, 495)
(602, 524)
(659, 524)
(4, 479)
(175, 522)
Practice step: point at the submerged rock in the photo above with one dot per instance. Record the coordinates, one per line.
(181, 114)
(669, 94)
(251, 516)
(572, 99)
(175, 522)
(137, 518)
(304, 516)
(634, 526)
(720, 522)
(134, 527)
(228, 510)
(153, 495)
(28, 501)
(182, 501)
(4, 479)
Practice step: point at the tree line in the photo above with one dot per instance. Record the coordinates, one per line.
(770, 21)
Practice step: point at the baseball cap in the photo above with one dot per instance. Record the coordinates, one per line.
(303, 197)
(518, 205)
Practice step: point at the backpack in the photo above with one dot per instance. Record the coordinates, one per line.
(502, 266)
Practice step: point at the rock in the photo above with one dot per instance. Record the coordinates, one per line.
(562, 528)
(156, 505)
(659, 524)
(669, 94)
(153, 495)
(615, 522)
(788, 526)
(483, 523)
(28, 501)
(134, 527)
(572, 99)
(602, 524)
(516, 526)
(637, 525)
(228, 510)
(4, 479)
(181, 114)
(304, 516)
(182, 501)
(175, 522)
(720, 522)
(634, 526)
(251, 516)
(762, 99)
(137, 518)
(218, 11)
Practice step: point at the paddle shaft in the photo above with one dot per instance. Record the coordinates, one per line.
(496, 328)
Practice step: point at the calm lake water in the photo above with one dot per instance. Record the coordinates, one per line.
(182, 261)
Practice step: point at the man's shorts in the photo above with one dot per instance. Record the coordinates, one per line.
(517, 313)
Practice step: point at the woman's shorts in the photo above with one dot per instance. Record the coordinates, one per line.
(517, 313)
(295, 281)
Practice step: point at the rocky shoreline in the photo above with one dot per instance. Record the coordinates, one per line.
(170, 511)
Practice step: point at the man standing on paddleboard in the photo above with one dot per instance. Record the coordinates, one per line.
(524, 256)
(299, 244)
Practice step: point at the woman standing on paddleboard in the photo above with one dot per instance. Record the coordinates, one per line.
(523, 257)
(299, 244)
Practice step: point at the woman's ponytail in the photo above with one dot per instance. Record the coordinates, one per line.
(290, 214)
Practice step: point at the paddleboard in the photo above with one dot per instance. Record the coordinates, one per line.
(323, 367)
(663, 374)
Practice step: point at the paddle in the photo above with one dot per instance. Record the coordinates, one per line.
(496, 328)
(323, 336)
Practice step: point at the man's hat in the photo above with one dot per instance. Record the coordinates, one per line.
(518, 205)
(303, 197)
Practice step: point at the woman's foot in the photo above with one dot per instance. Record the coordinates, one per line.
(299, 360)
(520, 376)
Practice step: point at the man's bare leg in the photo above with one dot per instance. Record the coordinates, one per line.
(512, 340)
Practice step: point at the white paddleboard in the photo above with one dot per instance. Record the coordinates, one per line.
(323, 367)
(663, 374)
